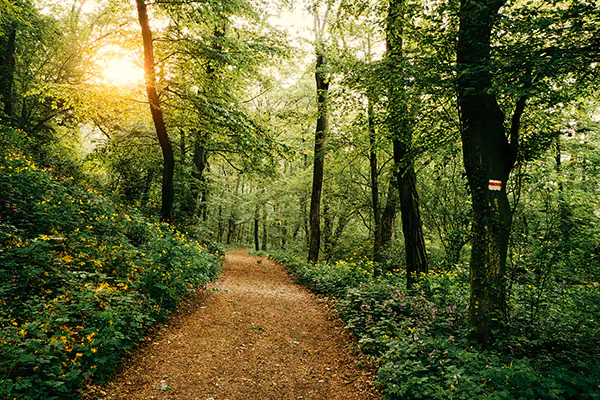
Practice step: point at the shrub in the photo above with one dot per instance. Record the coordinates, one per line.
(421, 338)
(81, 278)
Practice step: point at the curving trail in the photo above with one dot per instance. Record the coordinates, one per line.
(254, 335)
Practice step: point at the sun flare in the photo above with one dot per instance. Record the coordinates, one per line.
(121, 71)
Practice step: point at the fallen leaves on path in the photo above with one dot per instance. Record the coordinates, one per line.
(253, 335)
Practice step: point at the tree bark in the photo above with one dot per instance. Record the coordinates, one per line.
(265, 230)
(7, 69)
(232, 215)
(342, 221)
(327, 231)
(305, 220)
(314, 243)
(412, 226)
(220, 224)
(374, 182)
(256, 227)
(157, 115)
(200, 189)
(488, 155)
(389, 215)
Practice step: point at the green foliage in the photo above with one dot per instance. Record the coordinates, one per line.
(325, 278)
(422, 343)
(438, 368)
(81, 278)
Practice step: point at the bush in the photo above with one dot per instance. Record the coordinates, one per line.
(81, 278)
(328, 279)
(421, 338)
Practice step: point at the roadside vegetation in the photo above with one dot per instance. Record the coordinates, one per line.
(420, 337)
(82, 278)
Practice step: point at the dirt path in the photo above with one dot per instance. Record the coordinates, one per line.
(255, 336)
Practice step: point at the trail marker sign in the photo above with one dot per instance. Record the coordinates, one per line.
(495, 185)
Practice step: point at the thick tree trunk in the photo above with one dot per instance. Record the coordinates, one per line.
(374, 183)
(412, 226)
(489, 158)
(7, 68)
(314, 242)
(157, 115)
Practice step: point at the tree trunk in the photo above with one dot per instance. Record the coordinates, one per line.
(343, 219)
(489, 158)
(389, 215)
(200, 186)
(566, 222)
(327, 232)
(374, 183)
(314, 242)
(157, 115)
(7, 69)
(230, 228)
(220, 224)
(412, 226)
(265, 231)
(256, 227)
(232, 216)
(305, 222)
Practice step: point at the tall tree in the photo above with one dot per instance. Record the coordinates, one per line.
(400, 129)
(489, 156)
(322, 81)
(157, 115)
(374, 175)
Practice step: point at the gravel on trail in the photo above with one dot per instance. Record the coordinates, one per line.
(254, 334)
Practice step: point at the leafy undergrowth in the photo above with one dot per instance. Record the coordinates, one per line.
(81, 278)
(421, 339)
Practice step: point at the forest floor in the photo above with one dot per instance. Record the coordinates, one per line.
(252, 335)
